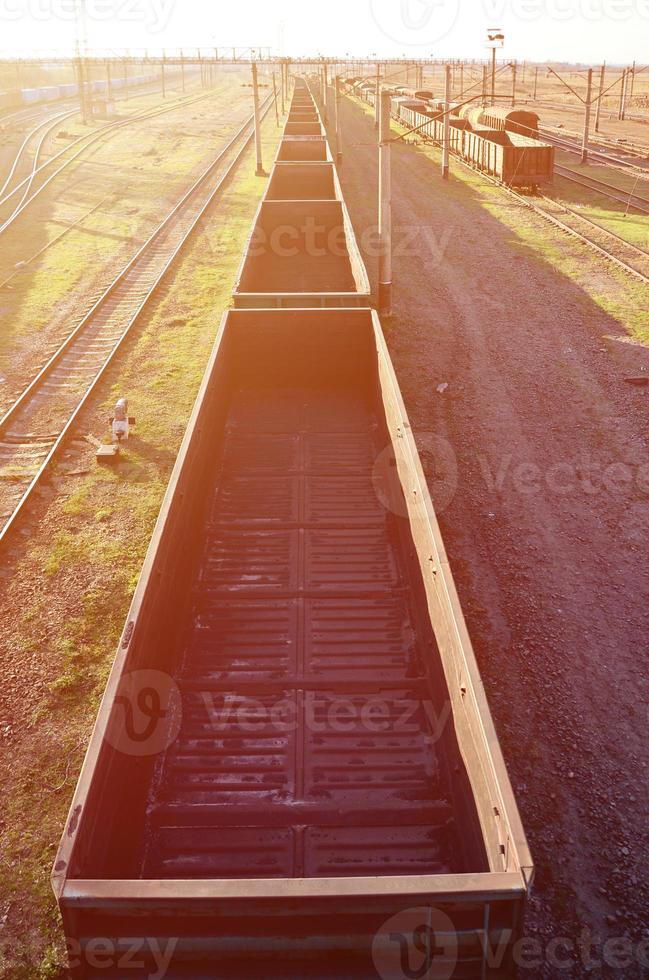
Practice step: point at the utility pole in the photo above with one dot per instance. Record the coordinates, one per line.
(622, 86)
(625, 89)
(447, 121)
(632, 82)
(589, 101)
(281, 84)
(484, 83)
(255, 93)
(325, 100)
(377, 98)
(85, 97)
(536, 81)
(275, 99)
(339, 150)
(602, 76)
(513, 83)
(493, 76)
(385, 208)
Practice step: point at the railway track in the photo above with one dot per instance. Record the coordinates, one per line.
(27, 182)
(616, 162)
(35, 426)
(51, 122)
(602, 187)
(84, 143)
(629, 149)
(631, 258)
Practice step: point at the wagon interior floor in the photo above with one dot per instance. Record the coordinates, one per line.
(306, 748)
(322, 269)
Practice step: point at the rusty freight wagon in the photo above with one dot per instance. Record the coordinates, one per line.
(506, 155)
(294, 773)
(514, 159)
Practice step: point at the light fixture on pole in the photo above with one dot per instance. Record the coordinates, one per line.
(495, 40)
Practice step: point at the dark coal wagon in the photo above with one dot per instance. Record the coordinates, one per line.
(294, 772)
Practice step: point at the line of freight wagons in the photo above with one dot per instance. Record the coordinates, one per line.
(497, 141)
(294, 773)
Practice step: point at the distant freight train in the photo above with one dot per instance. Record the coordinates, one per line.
(18, 98)
(495, 140)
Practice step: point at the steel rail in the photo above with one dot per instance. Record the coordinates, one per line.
(139, 298)
(598, 155)
(34, 168)
(602, 250)
(626, 149)
(53, 120)
(604, 188)
(91, 139)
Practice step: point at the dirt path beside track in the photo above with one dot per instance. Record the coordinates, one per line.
(538, 460)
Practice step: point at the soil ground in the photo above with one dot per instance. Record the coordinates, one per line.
(538, 462)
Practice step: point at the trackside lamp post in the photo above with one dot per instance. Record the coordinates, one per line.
(495, 39)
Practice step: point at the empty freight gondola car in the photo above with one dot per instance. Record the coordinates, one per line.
(294, 771)
(516, 160)
(318, 774)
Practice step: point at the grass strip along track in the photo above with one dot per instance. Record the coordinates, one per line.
(35, 426)
(89, 139)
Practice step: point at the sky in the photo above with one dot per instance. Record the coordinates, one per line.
(585, 31)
